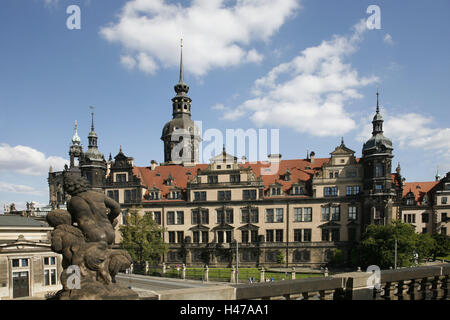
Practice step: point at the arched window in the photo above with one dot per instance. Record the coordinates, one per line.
(379, 170)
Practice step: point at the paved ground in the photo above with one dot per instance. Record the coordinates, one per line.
(146, 285)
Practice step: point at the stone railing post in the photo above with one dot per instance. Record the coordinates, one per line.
(146, 267)
(131, 268)
(402, 287)
(293, 273)
(262, 275)
(326, 294)
(163, 268)
(183, 272)
(437, 287)
(233, 275)
(206, 273)
(325, 272)
(414, 289)
(389, 291)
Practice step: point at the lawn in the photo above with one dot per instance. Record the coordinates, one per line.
(224, 274)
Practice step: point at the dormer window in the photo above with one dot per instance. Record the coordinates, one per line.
(235, 178)
(152, 195)
(121, 177)
(276, 191)
(298, 190)
(175, 194)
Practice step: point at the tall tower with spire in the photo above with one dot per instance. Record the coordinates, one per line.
(180, 135)
(76, 148)
(92, 162)
(379, 191)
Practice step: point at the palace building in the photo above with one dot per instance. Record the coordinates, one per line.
(299, 215)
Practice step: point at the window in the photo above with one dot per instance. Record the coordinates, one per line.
(254, 235)
(224, 217)
(444, 216)
(351, 174)
(298, 215)
(444, 200)
(19, 263)
(297, 235)
(352, 213)
(444, 230)
(302, 256)
(249, 194)
(269, 215)
(170, 217)
(121, 178)
(244, 236)
(425, 217)
(49, 275)
(196, 236)
(325, 235)
(276, 191)
(409, 218)
(213, 179)
(335, 235)
(200, 216)
(228, 236)
(379, 170)
(325, 213)
(379, 187)
(269, 235)
(153, 195)
(205, 236)
(180, 236)
(279, 215)
(279, 235)
(307, 214)
(200, 196)
(114, 194)
(130, 195)
(235, 178)
(297, 190)
(424, 230)
(352, 190)
(330, 191)
(223, 195)
(249, 215)
(156, 216)
(175, 194)
(307, 235)
(171, 236)
(335, 213)
(49, 261)
(180, 217)
(410, 201)
(336, 174)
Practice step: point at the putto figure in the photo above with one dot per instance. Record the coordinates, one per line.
(84, 236)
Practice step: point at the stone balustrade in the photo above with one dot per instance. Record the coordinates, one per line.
(421, 283)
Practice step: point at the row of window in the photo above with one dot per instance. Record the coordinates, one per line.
(130, 195)
(272, 235)
(333, 191)
(49, 268)
(411, 217)
(273, 215)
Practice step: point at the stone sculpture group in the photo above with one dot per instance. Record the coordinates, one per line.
(84, 235)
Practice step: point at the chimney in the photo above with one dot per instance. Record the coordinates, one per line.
(274, 158)
(311, 156)
(154, 164)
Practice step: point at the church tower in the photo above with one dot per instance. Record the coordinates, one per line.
(75, 149)
(379, 192)
(92, 162)
(180, 135)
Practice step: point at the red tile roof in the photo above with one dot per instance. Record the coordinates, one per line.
(300, 169)
(419, 189)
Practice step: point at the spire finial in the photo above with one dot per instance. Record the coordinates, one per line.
(342, 140)
(92, 114)
(378, 102)
(181, 62)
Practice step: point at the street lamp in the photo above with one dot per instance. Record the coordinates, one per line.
(237, 261)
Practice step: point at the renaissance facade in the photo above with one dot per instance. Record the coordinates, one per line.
(297, 215)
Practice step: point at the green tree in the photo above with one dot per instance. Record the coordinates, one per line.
(280, 258)
(377, 245)
(141, 237)
(442, 246)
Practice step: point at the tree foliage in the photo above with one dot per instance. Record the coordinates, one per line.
(141, 237)
(442, 247)
(377, 246)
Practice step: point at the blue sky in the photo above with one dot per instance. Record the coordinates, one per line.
(308, 68)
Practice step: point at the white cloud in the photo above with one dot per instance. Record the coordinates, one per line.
(128, 62)
(26, 160)
(388, 39)
(308, 93)
(18, 188)
(217, 33)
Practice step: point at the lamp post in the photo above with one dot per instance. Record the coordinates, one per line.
(237, 262)
(395, 255)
